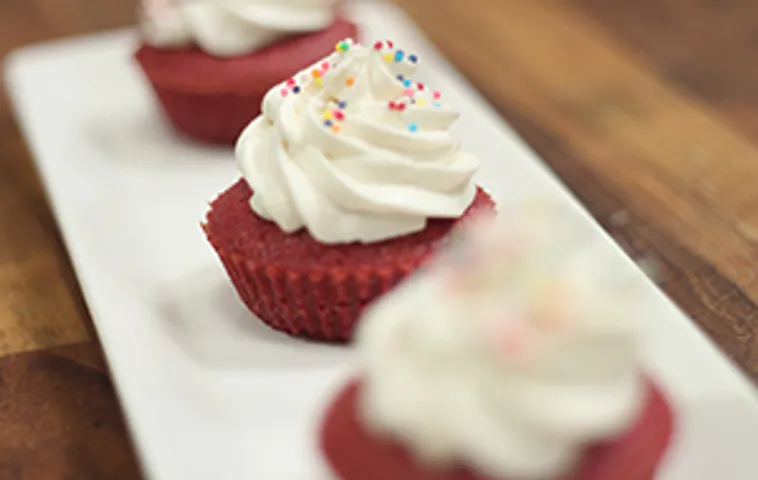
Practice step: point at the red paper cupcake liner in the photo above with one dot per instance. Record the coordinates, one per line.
(354, 453)
(309, 289)
(321, 306)
(211, 118)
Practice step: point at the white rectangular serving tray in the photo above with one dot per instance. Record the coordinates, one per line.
(207, 391)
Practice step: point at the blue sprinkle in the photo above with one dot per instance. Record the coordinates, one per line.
(328, 123)
(296, 89)
(413, 127)
(437, 105)
(400, 77)
(342, 105)
(413, 58)
(399, 55)
(407, 82)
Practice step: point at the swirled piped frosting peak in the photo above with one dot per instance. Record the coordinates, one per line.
(356, 148)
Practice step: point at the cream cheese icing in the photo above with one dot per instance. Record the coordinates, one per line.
(353, 148)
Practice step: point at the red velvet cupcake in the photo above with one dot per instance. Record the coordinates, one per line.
(355, 453)
(210, 62)
(512, 357)
(350, 183)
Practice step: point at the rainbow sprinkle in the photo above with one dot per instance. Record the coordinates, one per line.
(331, 116)
(342, 46)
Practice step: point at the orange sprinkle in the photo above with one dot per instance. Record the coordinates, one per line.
(336, 128)
(350, 81)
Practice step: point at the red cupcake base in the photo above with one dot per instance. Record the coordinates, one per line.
(355, 454)
(302, 287)
(213, 99)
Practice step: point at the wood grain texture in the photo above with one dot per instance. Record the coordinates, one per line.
(627, 138)
(59, 416)
(648, 110)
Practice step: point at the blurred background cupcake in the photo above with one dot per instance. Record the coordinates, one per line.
(352, 178)
(211, 61)
(513, 357)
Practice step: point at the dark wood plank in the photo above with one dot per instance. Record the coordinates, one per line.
(706, 47)
(59, 418)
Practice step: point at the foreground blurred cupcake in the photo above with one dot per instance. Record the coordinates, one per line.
(352, 177)
(211, 61)
(513, 357)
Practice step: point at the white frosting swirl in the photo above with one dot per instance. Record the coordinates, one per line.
(382, 175)
(513, 354)
(227, 28)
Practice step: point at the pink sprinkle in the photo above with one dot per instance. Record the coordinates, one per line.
(338, 115)
(392, 105)
(284, 92)
(290, 82)
(409, 92)
(325, 66)
(420, 86)
(378, 46)
(437, 95)
(401, 106)
(390, 44)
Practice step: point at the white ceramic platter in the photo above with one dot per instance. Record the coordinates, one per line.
(207, 391)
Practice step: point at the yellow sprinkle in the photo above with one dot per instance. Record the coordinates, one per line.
(328, 115)
(420, 102)
(388, 57)
(336, 128)
(319, 81)
(350, 81)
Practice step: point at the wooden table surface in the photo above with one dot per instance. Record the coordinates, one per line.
(646, 109)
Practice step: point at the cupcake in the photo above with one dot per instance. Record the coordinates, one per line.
(351, 178)
(512, 357)
(211, 61)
